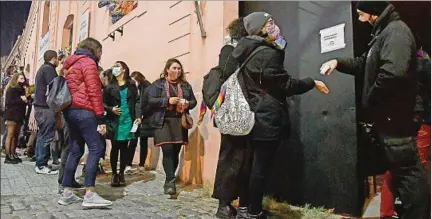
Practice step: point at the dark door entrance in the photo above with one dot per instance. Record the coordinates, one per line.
(318, 164)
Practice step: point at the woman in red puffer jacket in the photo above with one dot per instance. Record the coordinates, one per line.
(84, 121)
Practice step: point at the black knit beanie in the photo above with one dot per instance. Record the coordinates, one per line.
(372, 7)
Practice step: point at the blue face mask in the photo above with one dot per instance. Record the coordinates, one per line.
(116, 71)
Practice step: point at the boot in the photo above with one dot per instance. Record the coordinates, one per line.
(115, 180)
(122, 181)
(226, 210)
(10, 159)
(170, 188)
(17, 158)
(242, 213)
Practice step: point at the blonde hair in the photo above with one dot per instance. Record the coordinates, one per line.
(13, 82)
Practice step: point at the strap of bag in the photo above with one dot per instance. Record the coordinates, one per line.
(252, 54)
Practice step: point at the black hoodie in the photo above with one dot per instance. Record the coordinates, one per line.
(266, 84)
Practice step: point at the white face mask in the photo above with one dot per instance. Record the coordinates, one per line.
(116, 71)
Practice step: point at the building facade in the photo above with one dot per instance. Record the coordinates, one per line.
(144, 36)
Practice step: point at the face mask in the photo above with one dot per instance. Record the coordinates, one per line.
(274, 30)
(116, 71)
(21, 83)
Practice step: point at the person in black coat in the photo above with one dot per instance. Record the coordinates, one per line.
(145, 130)
(121, 100)
(15, 109)
(388, 101)
(231, 161)
(265, 84)
(169, 98)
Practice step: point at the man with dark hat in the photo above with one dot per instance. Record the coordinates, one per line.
(388, 100)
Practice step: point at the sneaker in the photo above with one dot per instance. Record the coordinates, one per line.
(95, 201)
(242, 213)
(56, 162)
(128, 170)
(45, 170)
(141, 169)
(67, 199)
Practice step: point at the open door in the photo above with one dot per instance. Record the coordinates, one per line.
(318, 164)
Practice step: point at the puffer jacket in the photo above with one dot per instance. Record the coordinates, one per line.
(266, 84)
(84, 82)
(390, 77)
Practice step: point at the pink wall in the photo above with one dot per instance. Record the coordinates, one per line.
(154, 32)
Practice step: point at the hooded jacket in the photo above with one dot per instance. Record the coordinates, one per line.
(84, 82)
(266, 84)
(389, 69)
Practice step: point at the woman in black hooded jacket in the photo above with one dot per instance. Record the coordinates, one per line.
(265, 84)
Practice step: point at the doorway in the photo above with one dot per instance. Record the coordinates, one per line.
(416, 14)
(317, 164)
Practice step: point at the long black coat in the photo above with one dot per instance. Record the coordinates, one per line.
(111, 98)
(145, 129)
(390, 77)
(15, 107)
(266, 84)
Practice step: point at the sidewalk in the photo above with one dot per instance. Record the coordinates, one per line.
(26, 195)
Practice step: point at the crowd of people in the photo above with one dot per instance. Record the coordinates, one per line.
(126, 109)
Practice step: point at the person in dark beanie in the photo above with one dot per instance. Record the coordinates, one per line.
(266, 85)
(388, 100)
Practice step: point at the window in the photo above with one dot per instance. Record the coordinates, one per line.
(67, 37)
(45, 21)
(117, 8)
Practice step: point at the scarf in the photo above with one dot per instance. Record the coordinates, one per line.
(179, 92)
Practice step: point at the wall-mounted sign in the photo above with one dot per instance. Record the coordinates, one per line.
(84, 26)
(44, 45)
(333, 38)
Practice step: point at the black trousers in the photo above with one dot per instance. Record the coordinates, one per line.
(143, 150)
(410, 180)
(119, 147)
(170, 160)
(233, 168)
(242, 171)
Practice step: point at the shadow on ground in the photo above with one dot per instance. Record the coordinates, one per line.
(103, 183)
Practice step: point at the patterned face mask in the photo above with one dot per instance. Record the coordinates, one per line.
(274, 30)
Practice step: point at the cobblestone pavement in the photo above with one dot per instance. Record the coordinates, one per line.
(26, 195)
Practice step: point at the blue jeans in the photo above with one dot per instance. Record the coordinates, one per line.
(82, 126)
(46, 120)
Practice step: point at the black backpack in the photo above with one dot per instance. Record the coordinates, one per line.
(212, 84)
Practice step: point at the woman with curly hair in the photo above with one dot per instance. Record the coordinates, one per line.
(232, 159)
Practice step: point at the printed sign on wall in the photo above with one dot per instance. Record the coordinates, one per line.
(84, 26)
(333, 38)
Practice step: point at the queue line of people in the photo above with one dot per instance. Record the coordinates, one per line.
(161, 109)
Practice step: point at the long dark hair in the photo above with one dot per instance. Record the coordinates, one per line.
(168, 65)
(126, 75)
(139, 77)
